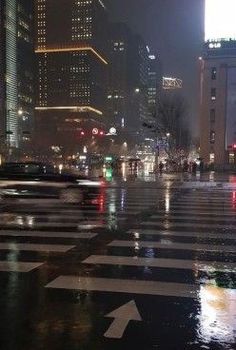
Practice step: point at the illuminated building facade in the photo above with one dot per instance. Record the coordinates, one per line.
(218, 85)
(127, 97)
(16, 70)
(72, 64)
(218, 103)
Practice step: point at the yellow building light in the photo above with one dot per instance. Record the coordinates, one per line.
(72, 49)
(74, 108)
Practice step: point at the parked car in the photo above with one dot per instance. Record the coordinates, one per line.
(39, 180)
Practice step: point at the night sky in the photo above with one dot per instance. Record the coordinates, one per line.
(174, 29)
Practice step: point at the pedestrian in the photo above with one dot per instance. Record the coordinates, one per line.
(161, 166)
(194, 167)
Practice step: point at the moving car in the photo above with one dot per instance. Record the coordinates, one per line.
(39, 180)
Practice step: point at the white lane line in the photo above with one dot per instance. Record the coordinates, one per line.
(173, 245)
(187, 224)
(214, 213)
(167, 233)
(17, 266)
(37, 247)
(125, 286)
(163, 263)
(190, 217)
(49, 234)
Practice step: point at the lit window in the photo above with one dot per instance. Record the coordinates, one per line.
(213, 94)
(213, 73)
(212, 136)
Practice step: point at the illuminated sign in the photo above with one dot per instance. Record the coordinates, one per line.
(220, 20)
(112, 131)
(95, 131)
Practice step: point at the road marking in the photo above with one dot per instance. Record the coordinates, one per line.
(161, 263)
(64, 213)
(205, 204)
(190, 217)
(122, 316)
(215, 213)
(49, 234)
(188, 224)
(88, 224)
(172, 245)
(125, 286)
(203, 207)
(37, 247)
(167, 233)
(17, 266)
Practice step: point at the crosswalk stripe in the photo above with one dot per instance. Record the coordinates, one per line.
(197, 203)
(190, 217)
(174, 245)
(190, 206)
(167, 233)
(37, 247)
(17, 266)
(187, 224)
(161, 263)
(56, 224)
(74, 219)
(49, 234)
(218, 213)
(125, 286)
(69, 214)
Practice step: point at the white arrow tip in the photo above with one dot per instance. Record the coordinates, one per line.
(127, 311)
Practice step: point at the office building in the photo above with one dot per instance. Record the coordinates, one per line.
(218, 103)
(16, 71)
(72, 63)
(154, 83)
(127, 97)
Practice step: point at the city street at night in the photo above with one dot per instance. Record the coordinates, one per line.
(150, 265)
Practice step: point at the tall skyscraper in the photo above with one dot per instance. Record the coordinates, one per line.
(128, 78)
(72, 64)
(16, 70)
(154, 83)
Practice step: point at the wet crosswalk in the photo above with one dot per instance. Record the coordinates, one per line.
(221, 241)
(49, 221)
(155, 244)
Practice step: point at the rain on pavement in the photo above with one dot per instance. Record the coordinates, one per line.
(149, 266)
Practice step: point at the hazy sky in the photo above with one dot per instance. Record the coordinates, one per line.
(174, 29)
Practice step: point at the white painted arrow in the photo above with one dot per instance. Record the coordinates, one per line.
(122, 316)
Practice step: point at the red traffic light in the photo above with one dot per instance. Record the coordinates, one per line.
(82, 133)
(234, 146)
(101, 133)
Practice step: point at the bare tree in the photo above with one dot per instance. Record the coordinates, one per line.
(169, 124)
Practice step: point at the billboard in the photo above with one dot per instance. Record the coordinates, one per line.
(220, 20)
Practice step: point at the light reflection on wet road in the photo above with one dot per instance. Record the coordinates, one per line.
(130, 245)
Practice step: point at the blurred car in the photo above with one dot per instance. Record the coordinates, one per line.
(38, 180)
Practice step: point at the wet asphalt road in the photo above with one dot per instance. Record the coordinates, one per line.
(163, 259)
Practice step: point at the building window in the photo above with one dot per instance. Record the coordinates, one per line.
(213, 94)
(231, 158)
(212, 157)
(212, 136)
(212, 115)
(213, 73)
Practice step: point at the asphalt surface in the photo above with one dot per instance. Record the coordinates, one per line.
(148, 267)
